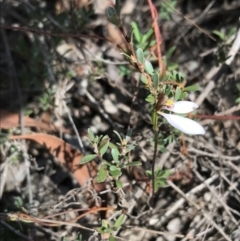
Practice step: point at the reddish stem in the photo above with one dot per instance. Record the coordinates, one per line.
(217, 117)
(157, 36)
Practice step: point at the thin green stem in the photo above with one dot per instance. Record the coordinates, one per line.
(153, 163)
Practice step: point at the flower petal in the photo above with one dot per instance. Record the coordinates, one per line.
(185, 125)
(182, 107)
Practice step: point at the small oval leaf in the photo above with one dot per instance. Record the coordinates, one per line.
(104, 146)
(178, 93)
(140, 56)
(102, 174)
(111, 12)
(192, 88)
(87, 158)
(112, 238)
(155, 80)
(113, 168)
(119, 136)
(118, 184)
(150, 98)
(91, 135)
(136, 32)
(136, 163)
(143, 78)
(148, 67)
(118, 7)
(115, 173)
(115, 154)
(119, 221)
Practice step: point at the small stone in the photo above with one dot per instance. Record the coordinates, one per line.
(109, 106)
(174, 225)
(192, 66)
(207, 196)
(153, 221)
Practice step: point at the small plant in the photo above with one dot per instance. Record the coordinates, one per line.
(167, 8)
(160, 177)
(110, 169)
(47, 99)
(140, 40)
(167, 92)
(109, 228)
(124, 70)
(220, 55)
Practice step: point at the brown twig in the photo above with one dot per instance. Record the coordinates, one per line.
(47, 222)
(62, 35)
(217, 117)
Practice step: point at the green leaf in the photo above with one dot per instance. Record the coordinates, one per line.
(178, 93)
(113, 168)
(136, 163)
(143, 78)
(149, 172)
(178, 76)
(100, 230)
(104, 146)
(102, 174)
(18, 202)
(140, 56)
(219, 34)
(119, 222)
(111, 12)
(183, 95)
(136, 32)
(129, 148)
(115, 154)
(96, 139)
(170, 52)
(148, 67)
(146, 36)
(150, 98)
(120, 138)
(113, 17)
(118, 7)
(111, 238)
(155, 80)
(163, 149)
(159, 183)
(237, 100)
(107, 230)
(192, 88)
(87, 158)
(91, 135)
(115, 173)
(165, 173)
(118, 183)
(172, 66)
(104, 224)
(128, 136)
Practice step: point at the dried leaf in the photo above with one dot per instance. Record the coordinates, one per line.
(67, 155)
(10, 120)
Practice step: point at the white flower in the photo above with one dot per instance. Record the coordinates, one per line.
(183, 124)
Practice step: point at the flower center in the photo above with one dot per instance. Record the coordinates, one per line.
(169, 103)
